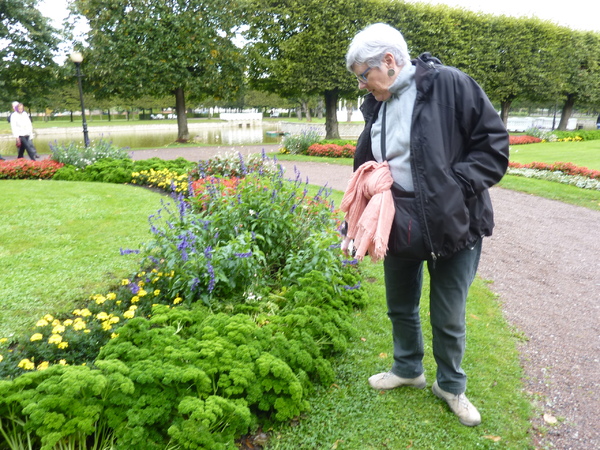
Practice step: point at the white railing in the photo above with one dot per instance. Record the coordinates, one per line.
(241, 117)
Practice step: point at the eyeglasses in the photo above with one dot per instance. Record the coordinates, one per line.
(362, 78)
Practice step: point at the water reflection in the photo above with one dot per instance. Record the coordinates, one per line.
(147, 137)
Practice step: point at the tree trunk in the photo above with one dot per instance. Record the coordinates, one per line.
(567, 110)
(306, 111)
(505, 105)
(183, 135)
(349, 109)
(320, 109)
(331, 122)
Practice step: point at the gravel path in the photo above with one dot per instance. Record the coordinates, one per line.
(544, 264)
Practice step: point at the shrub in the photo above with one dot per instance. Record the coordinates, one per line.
(24, 169)
(80, 156)
(298, 144)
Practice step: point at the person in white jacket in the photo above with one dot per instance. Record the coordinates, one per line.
(22, 130)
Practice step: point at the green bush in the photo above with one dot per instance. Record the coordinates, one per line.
(80, 156)
(297, 144)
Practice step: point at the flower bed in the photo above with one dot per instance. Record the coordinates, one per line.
(25, 169)
(522, 139)
(241, 300)
(332, 150)
(560, 172)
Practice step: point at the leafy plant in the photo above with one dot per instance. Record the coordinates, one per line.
(298, 144)
(80, 156)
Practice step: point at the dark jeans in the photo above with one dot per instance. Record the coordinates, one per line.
(450, 280)
(27, 144)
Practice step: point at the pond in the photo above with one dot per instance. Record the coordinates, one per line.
(148, 136)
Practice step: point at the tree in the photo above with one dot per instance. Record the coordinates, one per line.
(182, 48)
(582, 76)
(27, 46)
(297, 49)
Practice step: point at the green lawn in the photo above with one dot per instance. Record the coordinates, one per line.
(60, 242)
(585, 153)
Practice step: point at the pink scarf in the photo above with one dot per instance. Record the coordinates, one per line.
(370, 210)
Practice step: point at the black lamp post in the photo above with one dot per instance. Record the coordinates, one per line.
(77, 58)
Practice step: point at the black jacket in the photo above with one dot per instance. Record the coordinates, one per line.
(459, 149)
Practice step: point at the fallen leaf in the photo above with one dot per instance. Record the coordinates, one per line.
(474, 316)
(363, 339)
(383, 355)
(493, 438)
(549, 418)
(335, 444)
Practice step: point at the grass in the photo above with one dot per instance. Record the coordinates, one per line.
(60, 241)
(585, 153)
(351, 415)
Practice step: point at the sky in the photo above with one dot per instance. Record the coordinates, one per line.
(575, 14)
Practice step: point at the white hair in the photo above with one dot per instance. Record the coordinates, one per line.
(372, 43)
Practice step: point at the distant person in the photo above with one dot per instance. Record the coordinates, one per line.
(598, 123)
(22, 130)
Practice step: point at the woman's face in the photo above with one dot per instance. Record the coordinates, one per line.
(375, 80)
(20, 107)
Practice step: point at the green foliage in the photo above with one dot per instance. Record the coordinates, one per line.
(297, 144)
(28, 45)
(80, 156)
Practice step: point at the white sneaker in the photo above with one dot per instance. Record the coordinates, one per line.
(388, 380)
(460, 405)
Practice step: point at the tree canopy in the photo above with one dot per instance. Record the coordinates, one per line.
(183, 48)
(27, 46)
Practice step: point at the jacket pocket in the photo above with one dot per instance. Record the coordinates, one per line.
(406, 238)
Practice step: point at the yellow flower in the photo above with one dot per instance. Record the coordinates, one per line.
(55, 322)
(25, 364)
(102, 316)
(129, 314)
(141, 283)
(100, 299)
(86, 312)
(48, 317)
(55, 339)
(3, 340)
(1, 358)
(114, 319)
(63, 362)
(43, 365)
(157, 292)
(68, 322)
(106, 325)
(79, 324)
(135, 299)
(111, 296)
(125, 282)
(87, 330)
(114, 335)
(58, 329)
(63, 345)
(41, 323)
(36, 337)
(177, 300)
(142, 293)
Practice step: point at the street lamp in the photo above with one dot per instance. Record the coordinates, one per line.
(77, 58)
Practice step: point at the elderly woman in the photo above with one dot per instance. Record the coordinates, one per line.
(445, 145)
